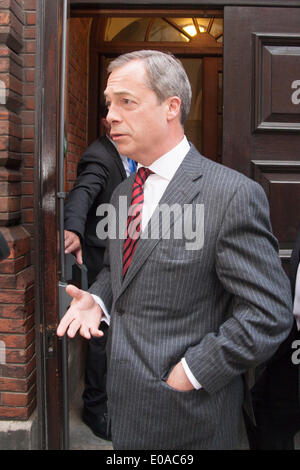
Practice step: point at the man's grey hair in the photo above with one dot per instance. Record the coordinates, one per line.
(166, 76)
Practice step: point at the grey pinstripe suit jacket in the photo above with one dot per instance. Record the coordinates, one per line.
(225, 307)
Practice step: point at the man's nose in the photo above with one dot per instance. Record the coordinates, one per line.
(113, 115)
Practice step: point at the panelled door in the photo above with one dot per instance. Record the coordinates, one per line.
(261, 115)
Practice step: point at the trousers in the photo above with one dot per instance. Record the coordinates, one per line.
(94, 395)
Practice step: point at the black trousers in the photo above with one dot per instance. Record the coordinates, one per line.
(94, 395)
(275, 398)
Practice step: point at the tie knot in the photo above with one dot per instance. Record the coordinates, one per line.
(142, 175)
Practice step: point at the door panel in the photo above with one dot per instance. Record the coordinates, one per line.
(261, 135)
(193, 126)
(212, 108)
(203, 127)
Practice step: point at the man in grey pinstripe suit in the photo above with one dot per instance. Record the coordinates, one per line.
(189, 318)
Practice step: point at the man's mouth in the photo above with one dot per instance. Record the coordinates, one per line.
(117, 136)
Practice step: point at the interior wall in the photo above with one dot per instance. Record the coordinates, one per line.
(77, 93)
(76, 138)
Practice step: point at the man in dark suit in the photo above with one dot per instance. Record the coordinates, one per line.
(276, 396)
(192, 280)
(100, 170)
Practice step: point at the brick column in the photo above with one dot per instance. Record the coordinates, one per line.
(17, 334)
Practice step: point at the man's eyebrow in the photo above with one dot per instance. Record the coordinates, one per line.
(120, 92)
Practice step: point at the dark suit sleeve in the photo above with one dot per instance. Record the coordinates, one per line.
(91, 180)
(260, 316)
(103, 283)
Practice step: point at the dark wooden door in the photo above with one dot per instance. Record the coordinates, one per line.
(49, 381)
(261, 131)
(212, 108)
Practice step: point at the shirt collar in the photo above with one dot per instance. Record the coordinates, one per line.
(167, 165)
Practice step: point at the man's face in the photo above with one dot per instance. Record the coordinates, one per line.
(139, 123)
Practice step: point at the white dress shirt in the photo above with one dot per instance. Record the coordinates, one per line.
(296, 309)
(163, 169)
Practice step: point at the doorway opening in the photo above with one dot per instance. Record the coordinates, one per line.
(197, 41)
(94, 39)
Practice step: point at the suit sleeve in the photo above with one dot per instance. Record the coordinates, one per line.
(92, 179)
(260, 315)
(102, 285)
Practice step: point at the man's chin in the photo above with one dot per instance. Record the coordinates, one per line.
(124, 149)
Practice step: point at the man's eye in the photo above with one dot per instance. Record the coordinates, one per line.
(127, 101)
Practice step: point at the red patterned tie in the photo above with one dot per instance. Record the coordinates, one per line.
(134, 220)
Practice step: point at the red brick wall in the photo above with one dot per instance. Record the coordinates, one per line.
(77, 103)
(17, 72)
(27, 115)
(17, 333)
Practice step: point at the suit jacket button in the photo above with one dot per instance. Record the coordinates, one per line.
(121, 311)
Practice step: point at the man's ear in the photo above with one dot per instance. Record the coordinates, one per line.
(173, 107)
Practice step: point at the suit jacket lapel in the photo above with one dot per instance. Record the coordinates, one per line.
(182, 189)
